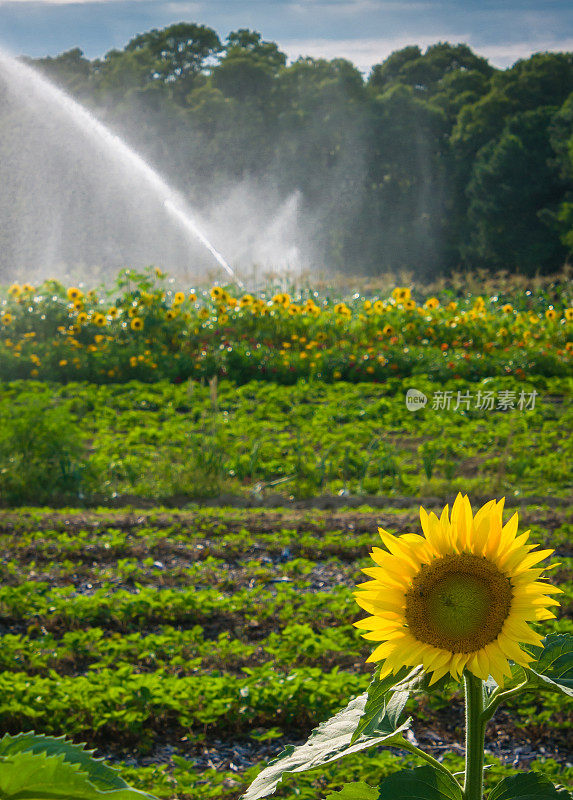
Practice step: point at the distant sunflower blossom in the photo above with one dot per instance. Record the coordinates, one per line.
(136, 324)
(401, 294)
(457, 598)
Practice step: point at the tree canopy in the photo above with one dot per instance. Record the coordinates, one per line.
(436, 160)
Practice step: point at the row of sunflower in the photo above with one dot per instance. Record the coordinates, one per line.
(146, 330)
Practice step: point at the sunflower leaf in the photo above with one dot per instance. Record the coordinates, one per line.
(355, 791)
(50, 777)
(98, 773)
(553, 668)
(413, 784)
(528, 786)
(329, 742)
(383, 702)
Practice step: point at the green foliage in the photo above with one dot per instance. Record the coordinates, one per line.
(42, 456)
(528, 786)
(48, 768)
(413, 784)
(331, 741)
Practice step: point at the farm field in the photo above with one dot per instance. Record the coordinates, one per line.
(193, 645)
(134, 443)
(187, 501)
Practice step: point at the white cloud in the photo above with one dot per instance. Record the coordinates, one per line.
(364, 53)
(503, 55)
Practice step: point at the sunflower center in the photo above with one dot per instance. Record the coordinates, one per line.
(458, 603)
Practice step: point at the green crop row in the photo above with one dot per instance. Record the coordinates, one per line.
(164, 440)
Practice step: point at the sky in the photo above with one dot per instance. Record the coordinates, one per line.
(363, 31)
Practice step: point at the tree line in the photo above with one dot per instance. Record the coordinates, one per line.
(435, 161)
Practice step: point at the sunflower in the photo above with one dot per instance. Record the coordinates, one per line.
(432, 303)
(507, 308)
(136, 324)
(551, 314)
(113, 312)
(74, 294)
(401, 294)
(99, 320)
(178, 298)
(7, 318)
(569, 314)
(458, 598)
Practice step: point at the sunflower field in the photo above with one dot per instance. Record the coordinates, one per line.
(191, 483)
(143, 329)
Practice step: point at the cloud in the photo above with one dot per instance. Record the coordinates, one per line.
(364, 53)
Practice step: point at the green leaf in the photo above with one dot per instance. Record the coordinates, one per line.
(98, 773)
(383, 706)
(554, 665)
(36, 776)
(421, 783)
(330, 741)
(528, 786)
(355, 791)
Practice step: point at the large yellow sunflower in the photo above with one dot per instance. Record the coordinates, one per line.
(458, 597)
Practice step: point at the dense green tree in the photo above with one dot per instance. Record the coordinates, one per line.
(437, 160)
(514, 191)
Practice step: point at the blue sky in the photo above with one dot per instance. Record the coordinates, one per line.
(364, 31)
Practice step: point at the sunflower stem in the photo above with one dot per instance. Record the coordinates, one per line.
(475, 737)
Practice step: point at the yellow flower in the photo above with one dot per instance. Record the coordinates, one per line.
(452, 305)
(410, 305)
(388, 330)
(507, 308)
(81, 318)
(34, 373)
(27, 288)
(203, 314)
(379, 307)
(15, 290)
(178, 298)
(401, 294)
(223, 319)
(293, 310)
(569, 314)
(367, 305)
(113, 312)
(459, 597)
(136, 324)
(78, 305)
(7, 318)
(342, 310)
(282, 299)
(99, 320)
(431, 303)
(63, 363)
(74, 294)
(159, 273)
(551, 314)
(133, 361)
(170, 314)
(246, 300)
(192, 297)
(218, 294)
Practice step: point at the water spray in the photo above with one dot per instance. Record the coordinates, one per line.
(115, 148)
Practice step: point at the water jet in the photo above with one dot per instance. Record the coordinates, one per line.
(79, 193)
